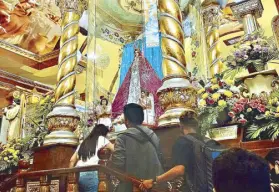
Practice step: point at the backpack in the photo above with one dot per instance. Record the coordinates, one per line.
(204, 153)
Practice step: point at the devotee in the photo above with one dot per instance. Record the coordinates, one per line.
(86, 155)
(273, 160)
(182, 154)
(137, 150)
(103, 111)
(242, 171)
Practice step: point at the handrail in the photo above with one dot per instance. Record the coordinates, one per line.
(65, 171)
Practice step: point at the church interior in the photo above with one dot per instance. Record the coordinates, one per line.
(67, 65)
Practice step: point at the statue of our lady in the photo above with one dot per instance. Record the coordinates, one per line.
(140, 76)
(13, 116)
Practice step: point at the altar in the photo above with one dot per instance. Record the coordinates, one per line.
(218, 59)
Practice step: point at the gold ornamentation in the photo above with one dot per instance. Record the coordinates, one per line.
(66, 77)
(275, 28)
(256, 83)
(172, 45)
(176, 94)
(28, 54)
(212, 18)
(178, 97)
(62, 123)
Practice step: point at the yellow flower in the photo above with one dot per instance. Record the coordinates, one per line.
(214, 80)
(275, 100)
(216, 96)
(267, 113)
(270, 102)
(202, 102)
(228, 93)
(249, 110)
(276, 114)
(205, 95)
(215, 86)
(222, 103)
(5, 158)
(277, 109)
(229, 82)
(201, 91)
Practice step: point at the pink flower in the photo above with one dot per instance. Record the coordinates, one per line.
(242, 121)
(238, 108)
(261, 108)
(254, 104)
(243, 101)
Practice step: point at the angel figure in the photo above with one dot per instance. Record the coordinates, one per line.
(147, 102)
(103, 111)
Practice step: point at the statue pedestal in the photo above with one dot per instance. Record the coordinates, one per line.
(53, 156)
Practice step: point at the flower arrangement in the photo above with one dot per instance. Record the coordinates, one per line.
(268, 127)
(248, 111)
(11, 153)
(253, 53)
(215, 98)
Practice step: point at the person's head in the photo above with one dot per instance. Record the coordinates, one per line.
(144, 93)
(188, 122)
(104, 101)
(133, 115)
(273, 159)
(88, 146)
(237, 170)
(137, 52)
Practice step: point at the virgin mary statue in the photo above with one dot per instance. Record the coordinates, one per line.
(140, 78)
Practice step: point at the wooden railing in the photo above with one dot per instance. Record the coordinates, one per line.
(72, 174)
(68, 178)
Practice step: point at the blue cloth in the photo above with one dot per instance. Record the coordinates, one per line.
(152, 54)
(88, 181)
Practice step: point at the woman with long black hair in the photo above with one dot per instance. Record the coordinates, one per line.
(87, 154)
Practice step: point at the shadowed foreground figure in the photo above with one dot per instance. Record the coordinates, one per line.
(137, 150)
(237, 170)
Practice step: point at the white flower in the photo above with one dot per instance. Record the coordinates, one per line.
(234, 89)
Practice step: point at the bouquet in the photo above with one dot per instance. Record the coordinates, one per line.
(216, 98)
(252, 53)
(248, 111)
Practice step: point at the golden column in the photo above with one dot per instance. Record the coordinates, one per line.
(247, 12)
(176, 94)
(63, 119)
(211, 20)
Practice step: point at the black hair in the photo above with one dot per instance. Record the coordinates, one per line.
(134, 113)
(88, 146)
(239, 170)
(272, 156)
(104, 99)
(188, 119)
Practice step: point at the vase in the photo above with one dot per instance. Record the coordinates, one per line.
(223, 117)
(256, 67)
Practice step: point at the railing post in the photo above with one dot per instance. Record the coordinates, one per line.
(20, 185)
(104, 155)
(45, 183)
(72, 185)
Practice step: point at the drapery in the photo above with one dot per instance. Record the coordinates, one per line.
(152, 54)
(149, 82)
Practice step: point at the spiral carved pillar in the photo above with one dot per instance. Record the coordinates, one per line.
(63, 119)
(211, 18)
(176, 94)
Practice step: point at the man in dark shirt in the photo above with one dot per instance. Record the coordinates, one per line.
(182, 153)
